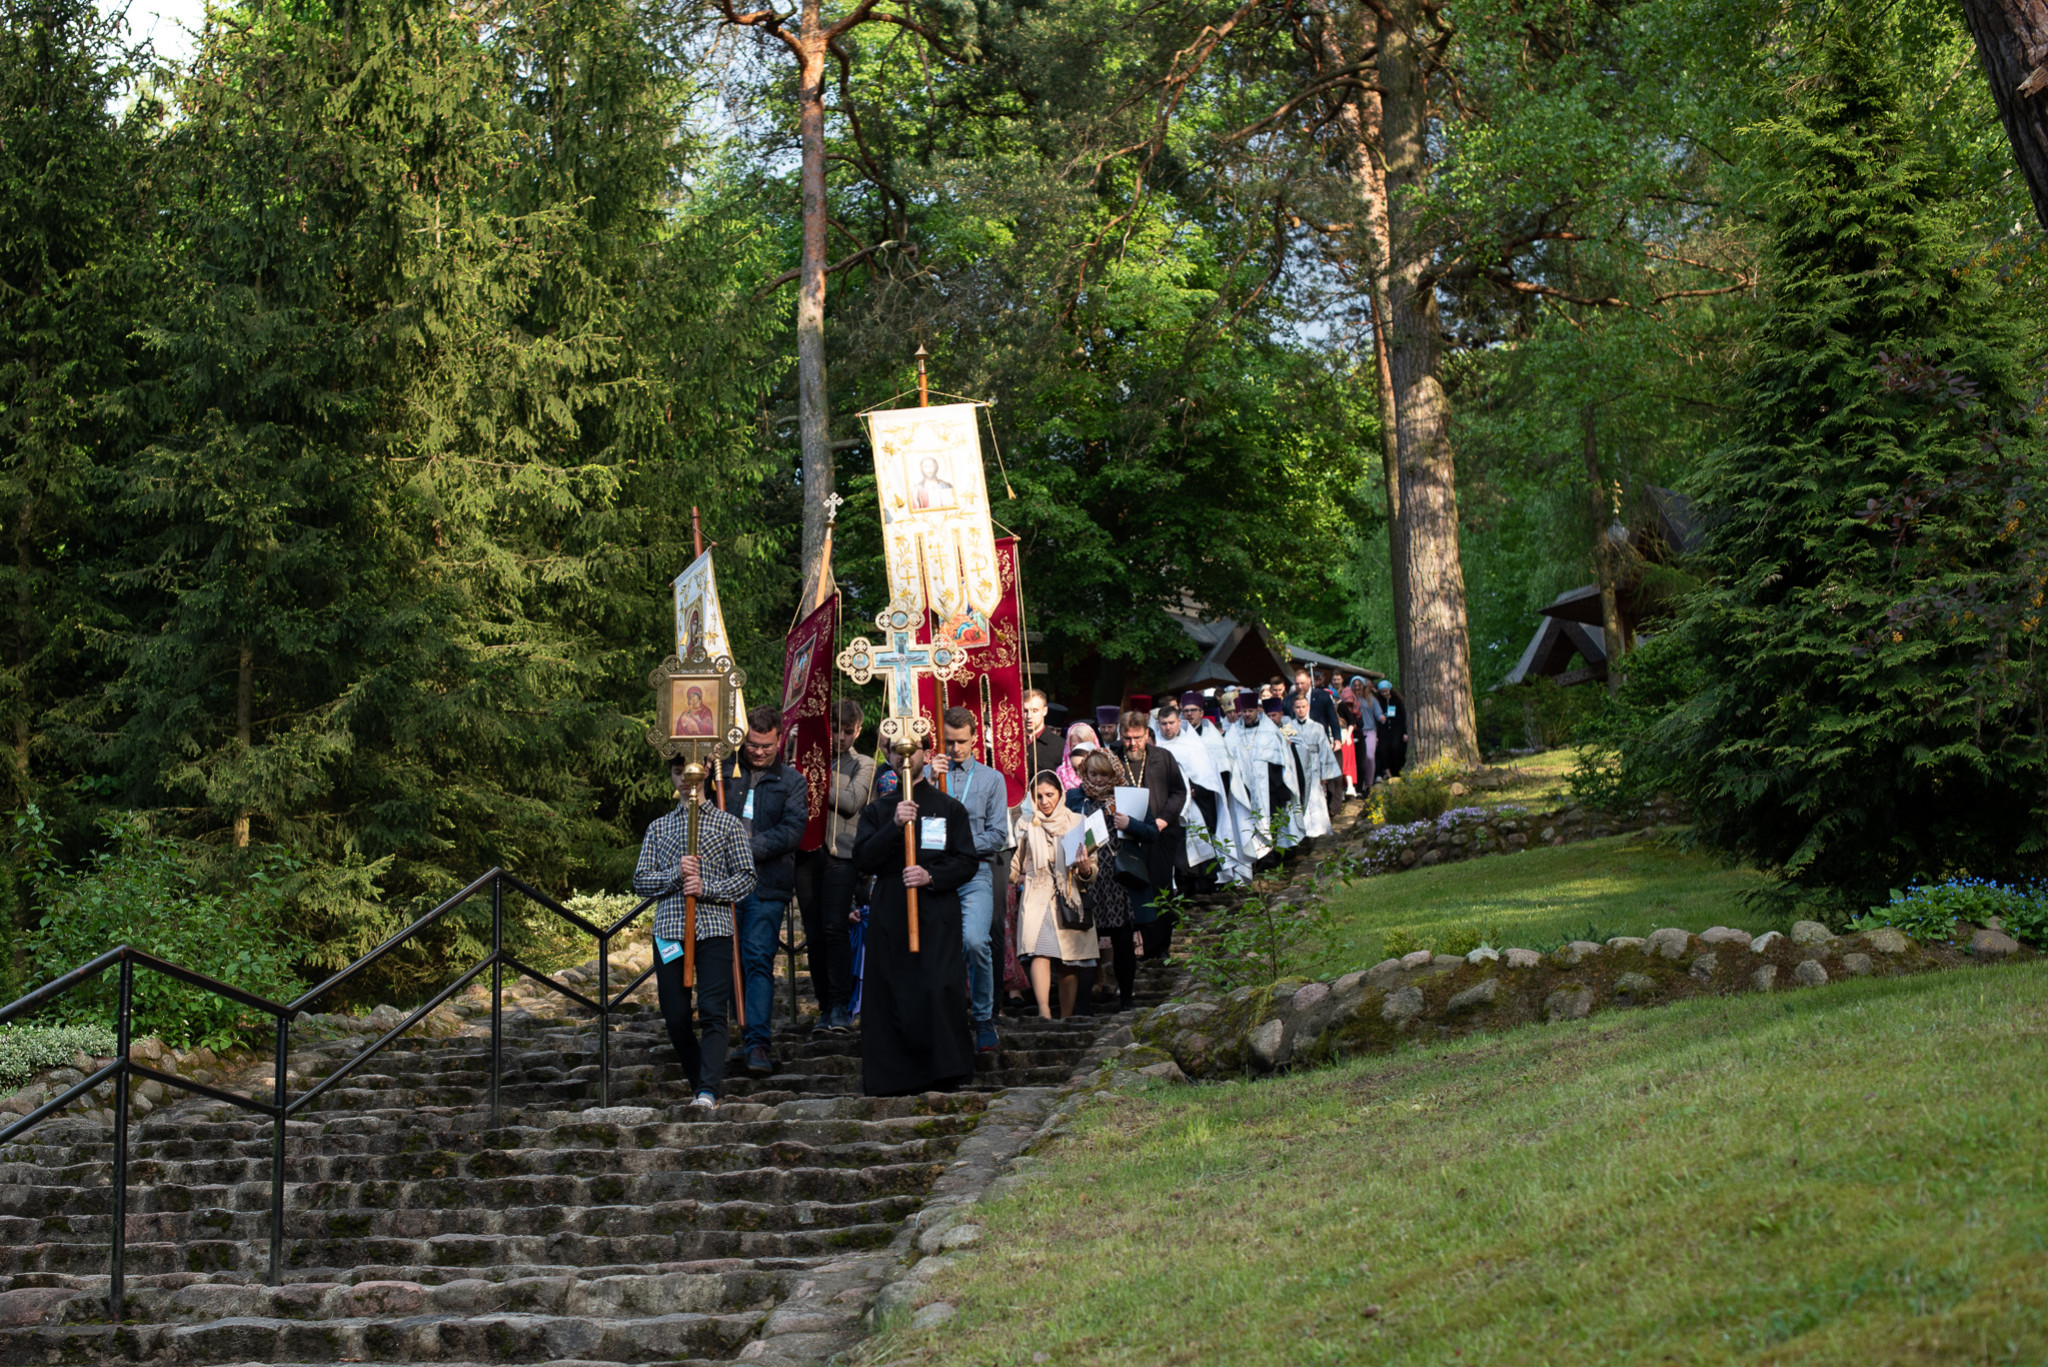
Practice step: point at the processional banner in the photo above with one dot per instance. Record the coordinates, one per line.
(807, 710)
(991, 683)
(700, 623)
(936, 535)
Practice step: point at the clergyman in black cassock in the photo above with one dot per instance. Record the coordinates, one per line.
(914, 1033)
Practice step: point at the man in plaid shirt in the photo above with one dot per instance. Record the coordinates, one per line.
(719, 875)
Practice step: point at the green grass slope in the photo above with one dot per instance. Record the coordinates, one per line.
(1623, 885)
(1851, 1174)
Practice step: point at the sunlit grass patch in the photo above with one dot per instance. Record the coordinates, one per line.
(1846, 1175)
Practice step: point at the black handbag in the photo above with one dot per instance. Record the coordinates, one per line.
(1131, 869)
(1071, 912)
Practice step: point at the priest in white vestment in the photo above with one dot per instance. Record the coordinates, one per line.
(1316, 763)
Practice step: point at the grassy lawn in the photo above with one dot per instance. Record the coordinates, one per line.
(1538, 782)
(1619, 886)
(1852, 1174)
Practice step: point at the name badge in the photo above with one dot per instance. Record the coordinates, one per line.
(1392, 710)
(933, 836)
(669, 950)
(747, 812)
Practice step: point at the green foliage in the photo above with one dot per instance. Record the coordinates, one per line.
(1813, 737)
(1420, 794)
(1463, 939)
(1930, 911)
(26, 1050)
(1258, 941)
(1536, 714)
(144, 889)
(1399, 942)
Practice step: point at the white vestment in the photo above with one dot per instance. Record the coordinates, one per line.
(1318, 763)
(1234, 818)
(1255, 749)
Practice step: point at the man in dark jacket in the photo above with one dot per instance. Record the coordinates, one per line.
(1322, 708)
(1045, 748)
(1154, 769)
(769, 799)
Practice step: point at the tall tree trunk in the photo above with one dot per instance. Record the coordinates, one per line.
(1390, 463)
(1360, 117)
(814, 414)
(245, 726)
(2012, 40)
(1437, 672)
(1604, 559)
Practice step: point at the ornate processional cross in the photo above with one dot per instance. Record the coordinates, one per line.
(902, 661)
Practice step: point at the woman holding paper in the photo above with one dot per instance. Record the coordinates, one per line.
(1052, 880)
(1109, 896)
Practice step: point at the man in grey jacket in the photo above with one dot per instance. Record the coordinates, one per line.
(825, 877)
(768, 797)
(982, 791)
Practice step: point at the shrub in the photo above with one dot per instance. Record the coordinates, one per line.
(1257, 942)
(1536, 715)
(141, 889)
(28, 1049)
(1398, 942)
(1930, 912)
(1462, 940)
(1419, 795)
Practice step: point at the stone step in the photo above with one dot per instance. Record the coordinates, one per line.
(457, 1250)
(494, 1337)
(718, 1288)
(67, 1206)
(572, 1233)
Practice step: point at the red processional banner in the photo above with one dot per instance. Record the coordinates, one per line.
(991, 685)
(807, 657)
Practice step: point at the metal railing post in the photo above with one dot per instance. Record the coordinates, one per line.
(497, 994)
(604, 1020)
(116, 1299)
(277, 1157)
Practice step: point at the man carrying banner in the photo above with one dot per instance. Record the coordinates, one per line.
(768, 797)
(825, 876)
(720, 876)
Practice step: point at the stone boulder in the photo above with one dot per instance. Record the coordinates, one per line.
(1724, 935)
(1993, 944)
(1810, 933)
(1887, 941)
(1669, 943)
(1568, 1004)
(1478, 995)
(1633, 989)
(1811, 972)
(1575, 953)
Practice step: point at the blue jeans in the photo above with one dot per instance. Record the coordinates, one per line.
(977, 912)
(760, 929)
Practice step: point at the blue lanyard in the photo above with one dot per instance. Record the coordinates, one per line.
(961, 796)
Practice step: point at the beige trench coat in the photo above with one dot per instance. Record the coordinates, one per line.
(1037, 862)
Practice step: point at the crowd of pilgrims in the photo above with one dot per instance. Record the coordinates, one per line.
(1017, 908)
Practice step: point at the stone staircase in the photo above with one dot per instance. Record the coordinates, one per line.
(415, 1231)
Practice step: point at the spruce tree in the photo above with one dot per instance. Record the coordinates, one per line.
(1816, 739)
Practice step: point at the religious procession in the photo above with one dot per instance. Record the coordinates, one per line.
(968, 856)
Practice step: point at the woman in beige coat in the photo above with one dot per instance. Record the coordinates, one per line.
(1039, 867)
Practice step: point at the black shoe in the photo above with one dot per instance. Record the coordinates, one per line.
(838, 1022)
(758, 1062)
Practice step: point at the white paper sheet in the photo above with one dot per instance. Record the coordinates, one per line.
(1133, 803)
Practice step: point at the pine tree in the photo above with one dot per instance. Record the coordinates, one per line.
(1818, 740)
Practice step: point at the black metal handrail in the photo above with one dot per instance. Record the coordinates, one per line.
(282, 1106)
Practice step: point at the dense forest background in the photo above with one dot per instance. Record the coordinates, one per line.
(357, 376)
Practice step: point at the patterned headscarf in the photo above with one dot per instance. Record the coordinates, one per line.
(1079, 731)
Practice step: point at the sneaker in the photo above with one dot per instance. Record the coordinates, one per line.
(985, 1038)
(758, 1061)
(704, 1101)
(838, 1022)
